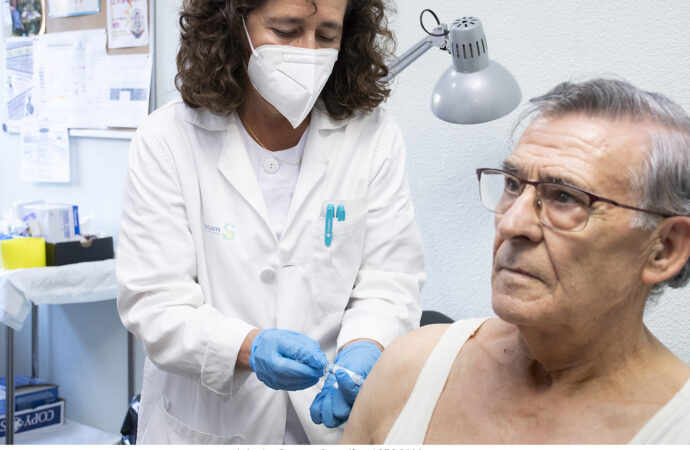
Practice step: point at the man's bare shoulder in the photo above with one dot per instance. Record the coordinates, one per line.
(412, 349)
(406, 357)
(389, 385)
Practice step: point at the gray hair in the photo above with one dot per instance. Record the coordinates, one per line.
(663, 184)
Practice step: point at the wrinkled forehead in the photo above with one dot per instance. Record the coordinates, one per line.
(589, 150)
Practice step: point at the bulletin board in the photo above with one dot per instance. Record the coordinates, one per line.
(99, 21)
(93, 21)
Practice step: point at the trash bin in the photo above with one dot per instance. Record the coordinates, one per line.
(129, 425)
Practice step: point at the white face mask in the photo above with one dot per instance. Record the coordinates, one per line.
(290, 78)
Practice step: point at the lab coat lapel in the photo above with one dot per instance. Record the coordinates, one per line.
(313, 168)
(235, 165)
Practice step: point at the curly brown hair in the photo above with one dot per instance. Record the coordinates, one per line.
(211, 61)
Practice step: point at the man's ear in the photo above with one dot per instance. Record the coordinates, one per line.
(671, 252)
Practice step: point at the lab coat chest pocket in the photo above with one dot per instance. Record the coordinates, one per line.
(333, 268)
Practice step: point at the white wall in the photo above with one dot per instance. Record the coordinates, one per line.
(541, 42)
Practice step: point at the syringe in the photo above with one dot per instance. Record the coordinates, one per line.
(332, 367)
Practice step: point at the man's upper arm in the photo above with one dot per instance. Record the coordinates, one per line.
(389, 385)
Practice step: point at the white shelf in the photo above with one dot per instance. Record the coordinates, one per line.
(101, 134)
(70, 433)
(93, 133)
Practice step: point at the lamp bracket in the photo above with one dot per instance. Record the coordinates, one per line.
(438, 38)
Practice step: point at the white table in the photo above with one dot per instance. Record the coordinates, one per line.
(23, 289)
(70, 433)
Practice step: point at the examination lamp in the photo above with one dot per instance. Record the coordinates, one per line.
(474, 89)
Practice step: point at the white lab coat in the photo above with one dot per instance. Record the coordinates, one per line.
(199, 267)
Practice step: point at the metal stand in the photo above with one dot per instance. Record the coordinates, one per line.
(9, 389)
(130, 367)
(34, 341)
(9, 376)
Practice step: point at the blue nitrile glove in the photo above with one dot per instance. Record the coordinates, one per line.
(286, 360)
(333, 404)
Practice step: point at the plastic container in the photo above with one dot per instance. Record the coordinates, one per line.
(23, 253)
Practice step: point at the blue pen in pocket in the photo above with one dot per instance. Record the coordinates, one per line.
(340, 213)
(328, 235)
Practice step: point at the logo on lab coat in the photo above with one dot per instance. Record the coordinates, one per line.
(228, 230)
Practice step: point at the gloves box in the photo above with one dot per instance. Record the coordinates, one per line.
(95, 249)
(57, 222)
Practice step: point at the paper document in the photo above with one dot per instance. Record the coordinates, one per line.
(128, 23)
(67, 72)
(7, 14)
(65, 8)
(45, 151)
(19, 81)
(127, 79)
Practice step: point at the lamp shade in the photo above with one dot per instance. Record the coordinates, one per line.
(475, 97)
(474, 89)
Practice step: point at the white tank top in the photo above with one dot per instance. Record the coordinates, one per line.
(670, 425)
(276, 173)
(413, 421)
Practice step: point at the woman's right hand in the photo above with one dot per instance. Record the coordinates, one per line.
(286, 360)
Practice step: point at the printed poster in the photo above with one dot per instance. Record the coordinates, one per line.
(127, 23)
(19, 81)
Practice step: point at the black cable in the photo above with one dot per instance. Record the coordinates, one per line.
(438, 22)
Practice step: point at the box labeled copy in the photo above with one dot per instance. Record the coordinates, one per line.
(52, 414)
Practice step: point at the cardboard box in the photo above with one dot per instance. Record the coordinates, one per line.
(49, 415)
(95, 249)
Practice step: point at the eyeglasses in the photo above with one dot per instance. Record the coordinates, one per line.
(558, 206)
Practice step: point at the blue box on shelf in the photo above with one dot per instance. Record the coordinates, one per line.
(29, 393)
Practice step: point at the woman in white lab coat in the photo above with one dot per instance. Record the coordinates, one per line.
(267, 226)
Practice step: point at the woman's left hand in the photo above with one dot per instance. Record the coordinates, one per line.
(286, 360)
(333, 404)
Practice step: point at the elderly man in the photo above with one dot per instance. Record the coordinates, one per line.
(591, 216)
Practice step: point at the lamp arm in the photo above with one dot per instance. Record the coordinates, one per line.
(436, 39)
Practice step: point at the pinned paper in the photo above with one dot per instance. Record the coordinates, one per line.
(66, 8)
(128, 23)
(19, 81)
(69, 83)
(127, 79)
(45, 152)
